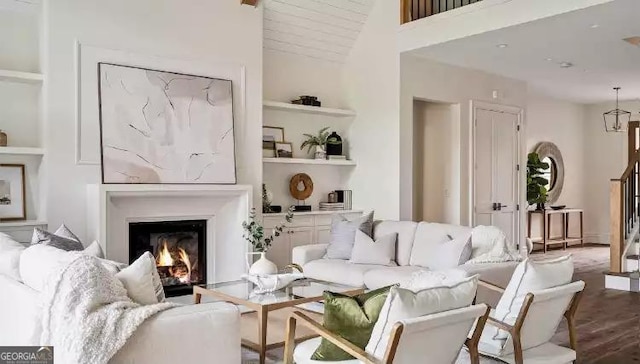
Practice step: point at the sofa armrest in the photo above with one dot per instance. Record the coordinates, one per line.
(186, 334)
(304, 254)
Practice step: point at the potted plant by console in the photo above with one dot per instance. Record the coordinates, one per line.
(255, 235)
(536, 184)
(320, 142)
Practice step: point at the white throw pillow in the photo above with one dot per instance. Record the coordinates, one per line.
(142, 281)
(423, 254)
(40, 262)
(94, 250)
(405, 304)
(424, 279)
(382, 251)
(343, 234)
(10, 251)
(65, 232)
(451, 254)
(530, 276)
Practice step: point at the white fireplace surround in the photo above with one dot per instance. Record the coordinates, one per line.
(111, 208)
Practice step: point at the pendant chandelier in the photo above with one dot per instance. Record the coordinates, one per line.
(616, 120)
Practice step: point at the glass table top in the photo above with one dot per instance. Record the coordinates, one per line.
(303, 288)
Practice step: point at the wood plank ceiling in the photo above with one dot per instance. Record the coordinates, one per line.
(321, 29)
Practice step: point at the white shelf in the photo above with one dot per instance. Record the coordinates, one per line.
(276, 105)
(325, 162)
(22, 223)
(315, 212)
(21, 151)
(21, 77)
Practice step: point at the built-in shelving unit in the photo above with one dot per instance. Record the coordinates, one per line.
(22, 223)
(283, 106)
(324, 162)
(316, 212)
(21, 77)
(21, 151)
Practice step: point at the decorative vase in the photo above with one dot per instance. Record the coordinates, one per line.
(3, 139)
(320, 152)
(540, 206)
(334, 149)
(263, 266)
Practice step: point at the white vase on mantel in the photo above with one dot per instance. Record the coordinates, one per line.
(321, 152)
(263, 266)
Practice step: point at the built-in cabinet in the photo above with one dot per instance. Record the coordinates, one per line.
(306, 228)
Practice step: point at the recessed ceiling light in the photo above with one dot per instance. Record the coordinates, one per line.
(503, 45)
(566, 64)
(594, 26)
(549, 59)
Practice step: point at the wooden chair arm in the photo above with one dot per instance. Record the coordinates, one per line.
(501, 325)
(490, 286)
(299, 317)
(472, 342)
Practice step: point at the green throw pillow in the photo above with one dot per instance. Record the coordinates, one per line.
(351, 317)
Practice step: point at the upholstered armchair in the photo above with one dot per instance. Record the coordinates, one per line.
(436, 338)
(527, 339)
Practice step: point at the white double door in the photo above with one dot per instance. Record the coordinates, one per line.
(496, 174)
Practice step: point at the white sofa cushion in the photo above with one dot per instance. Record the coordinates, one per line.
(94, 250)
(406, 231)
(381, 251)
(338, 271)
(405, 304)
(386, 276)
(142, 281)
(10, 251)
(530, 275)
(39, 262)
(428, 237)
(424, 279)
(304, 351)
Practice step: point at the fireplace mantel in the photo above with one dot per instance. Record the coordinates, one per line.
(111, 207)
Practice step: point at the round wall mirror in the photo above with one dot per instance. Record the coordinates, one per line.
(550, 154)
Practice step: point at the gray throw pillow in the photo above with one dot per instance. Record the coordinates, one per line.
(44, 237)
(343, 234)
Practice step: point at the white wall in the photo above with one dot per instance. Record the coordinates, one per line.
(372, 83)
(423, 79)
(202, 31)
(436, 171)
(563, 123)
(605, 158)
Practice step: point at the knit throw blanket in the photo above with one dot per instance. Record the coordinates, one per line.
(87, 315)
(490, 245)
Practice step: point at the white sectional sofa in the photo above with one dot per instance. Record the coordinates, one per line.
(182, 334)
(414, 240)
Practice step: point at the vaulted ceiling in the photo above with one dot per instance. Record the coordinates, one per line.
(321, 29)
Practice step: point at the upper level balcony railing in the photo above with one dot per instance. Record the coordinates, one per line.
(417, 9)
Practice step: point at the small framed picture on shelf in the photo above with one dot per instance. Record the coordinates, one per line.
(284, 150)
(270, 136)
(12, 192)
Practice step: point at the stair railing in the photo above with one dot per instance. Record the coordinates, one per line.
(411, 10)
(624, 210)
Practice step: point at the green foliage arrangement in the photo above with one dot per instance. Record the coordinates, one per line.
(536, 184)
(254, 231)
(320, 140)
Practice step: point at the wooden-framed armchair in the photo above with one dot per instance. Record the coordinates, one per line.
(527, 340)
(435, 339)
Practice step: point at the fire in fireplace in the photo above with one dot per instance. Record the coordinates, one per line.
(179, 249)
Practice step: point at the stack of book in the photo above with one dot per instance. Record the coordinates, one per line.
(331, 206)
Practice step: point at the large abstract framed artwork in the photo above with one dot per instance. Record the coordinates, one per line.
(165, 127)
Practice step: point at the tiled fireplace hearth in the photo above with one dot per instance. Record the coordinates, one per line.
(198, 223)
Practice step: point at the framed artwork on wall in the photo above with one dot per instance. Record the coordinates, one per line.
(165, 127)
(284, 150)
(12, 192)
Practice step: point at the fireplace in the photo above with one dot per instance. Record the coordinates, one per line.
(179, 248)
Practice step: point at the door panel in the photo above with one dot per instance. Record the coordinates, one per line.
(496, 175)
(299, 237)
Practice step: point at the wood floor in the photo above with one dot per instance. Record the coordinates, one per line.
(608, 321)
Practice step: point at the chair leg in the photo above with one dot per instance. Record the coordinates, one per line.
(517, 349)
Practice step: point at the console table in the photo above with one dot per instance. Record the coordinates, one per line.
(565, 237)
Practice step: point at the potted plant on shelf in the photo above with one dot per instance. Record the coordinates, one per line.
(255, 235)
(320, 142)
(536, 184)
